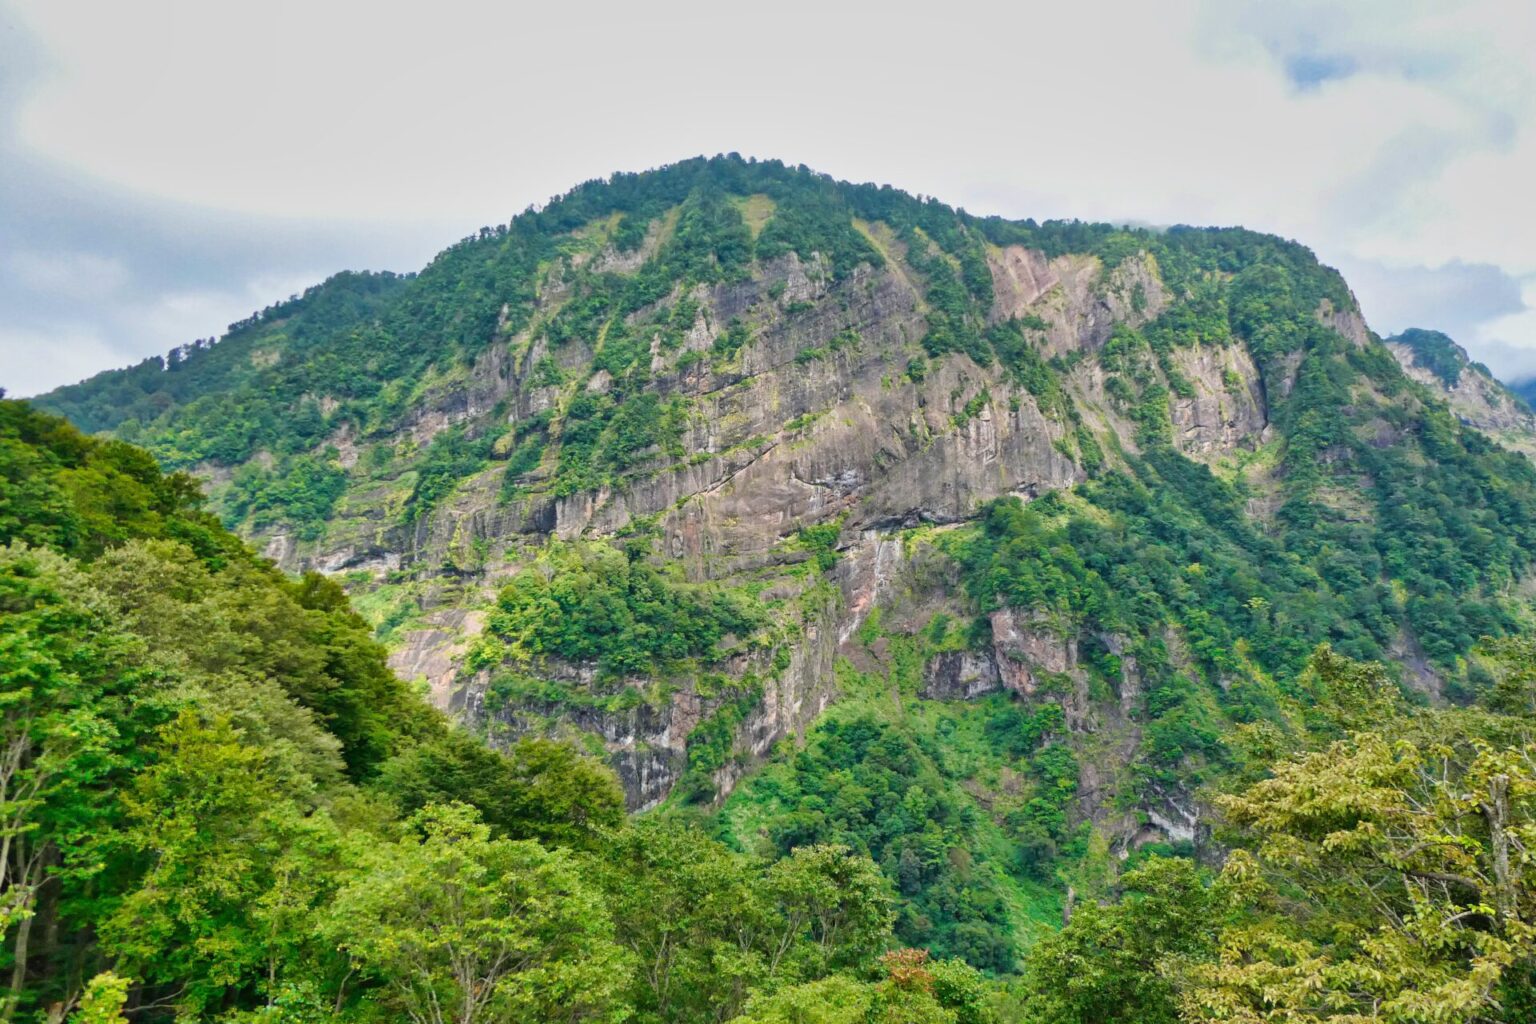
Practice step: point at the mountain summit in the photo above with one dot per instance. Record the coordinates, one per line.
(1012, 525)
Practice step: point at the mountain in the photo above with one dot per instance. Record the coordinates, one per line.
(1437, 362)
(982, 547)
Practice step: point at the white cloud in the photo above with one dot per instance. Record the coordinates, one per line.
(1508, 343)
(75, 343)
(73, 275)
(39, 358)
(1399, 134)
(1457, 297)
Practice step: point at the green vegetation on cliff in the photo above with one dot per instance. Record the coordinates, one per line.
(593, 603)
(972, 885)
(1436, 353)
(350, 359)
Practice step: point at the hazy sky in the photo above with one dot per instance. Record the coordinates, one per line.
(167, 167)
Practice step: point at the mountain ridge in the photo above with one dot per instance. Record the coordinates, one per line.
(729, 463)
(1431, 358)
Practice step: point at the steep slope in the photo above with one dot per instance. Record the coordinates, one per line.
(1435, 361)
(675, 463)
(221, 805)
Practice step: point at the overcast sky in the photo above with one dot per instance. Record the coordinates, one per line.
(168, 167)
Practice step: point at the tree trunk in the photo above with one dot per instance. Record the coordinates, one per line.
(19, 967)
(1497, 812)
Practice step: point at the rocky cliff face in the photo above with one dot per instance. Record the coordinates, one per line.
(776, 440)
(775, 386)
(1442, 366)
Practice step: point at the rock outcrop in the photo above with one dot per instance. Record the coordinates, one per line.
(1471, 391)
(818, 417)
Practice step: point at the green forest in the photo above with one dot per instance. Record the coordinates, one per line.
(219, 805)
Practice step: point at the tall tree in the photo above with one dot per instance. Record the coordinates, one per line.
(234, 869)
(1385, 880)
(74, 709)
(457, 927)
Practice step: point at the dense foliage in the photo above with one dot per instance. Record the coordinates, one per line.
(865, 784)
(1436, 353)
(965, 806)
(594, 603)
(1379, 876)
(217, 803)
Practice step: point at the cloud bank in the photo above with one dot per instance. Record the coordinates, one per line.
(169, 167)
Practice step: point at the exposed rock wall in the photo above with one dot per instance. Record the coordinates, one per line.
(1227, 410)
(817, 416)
(1478, 399)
